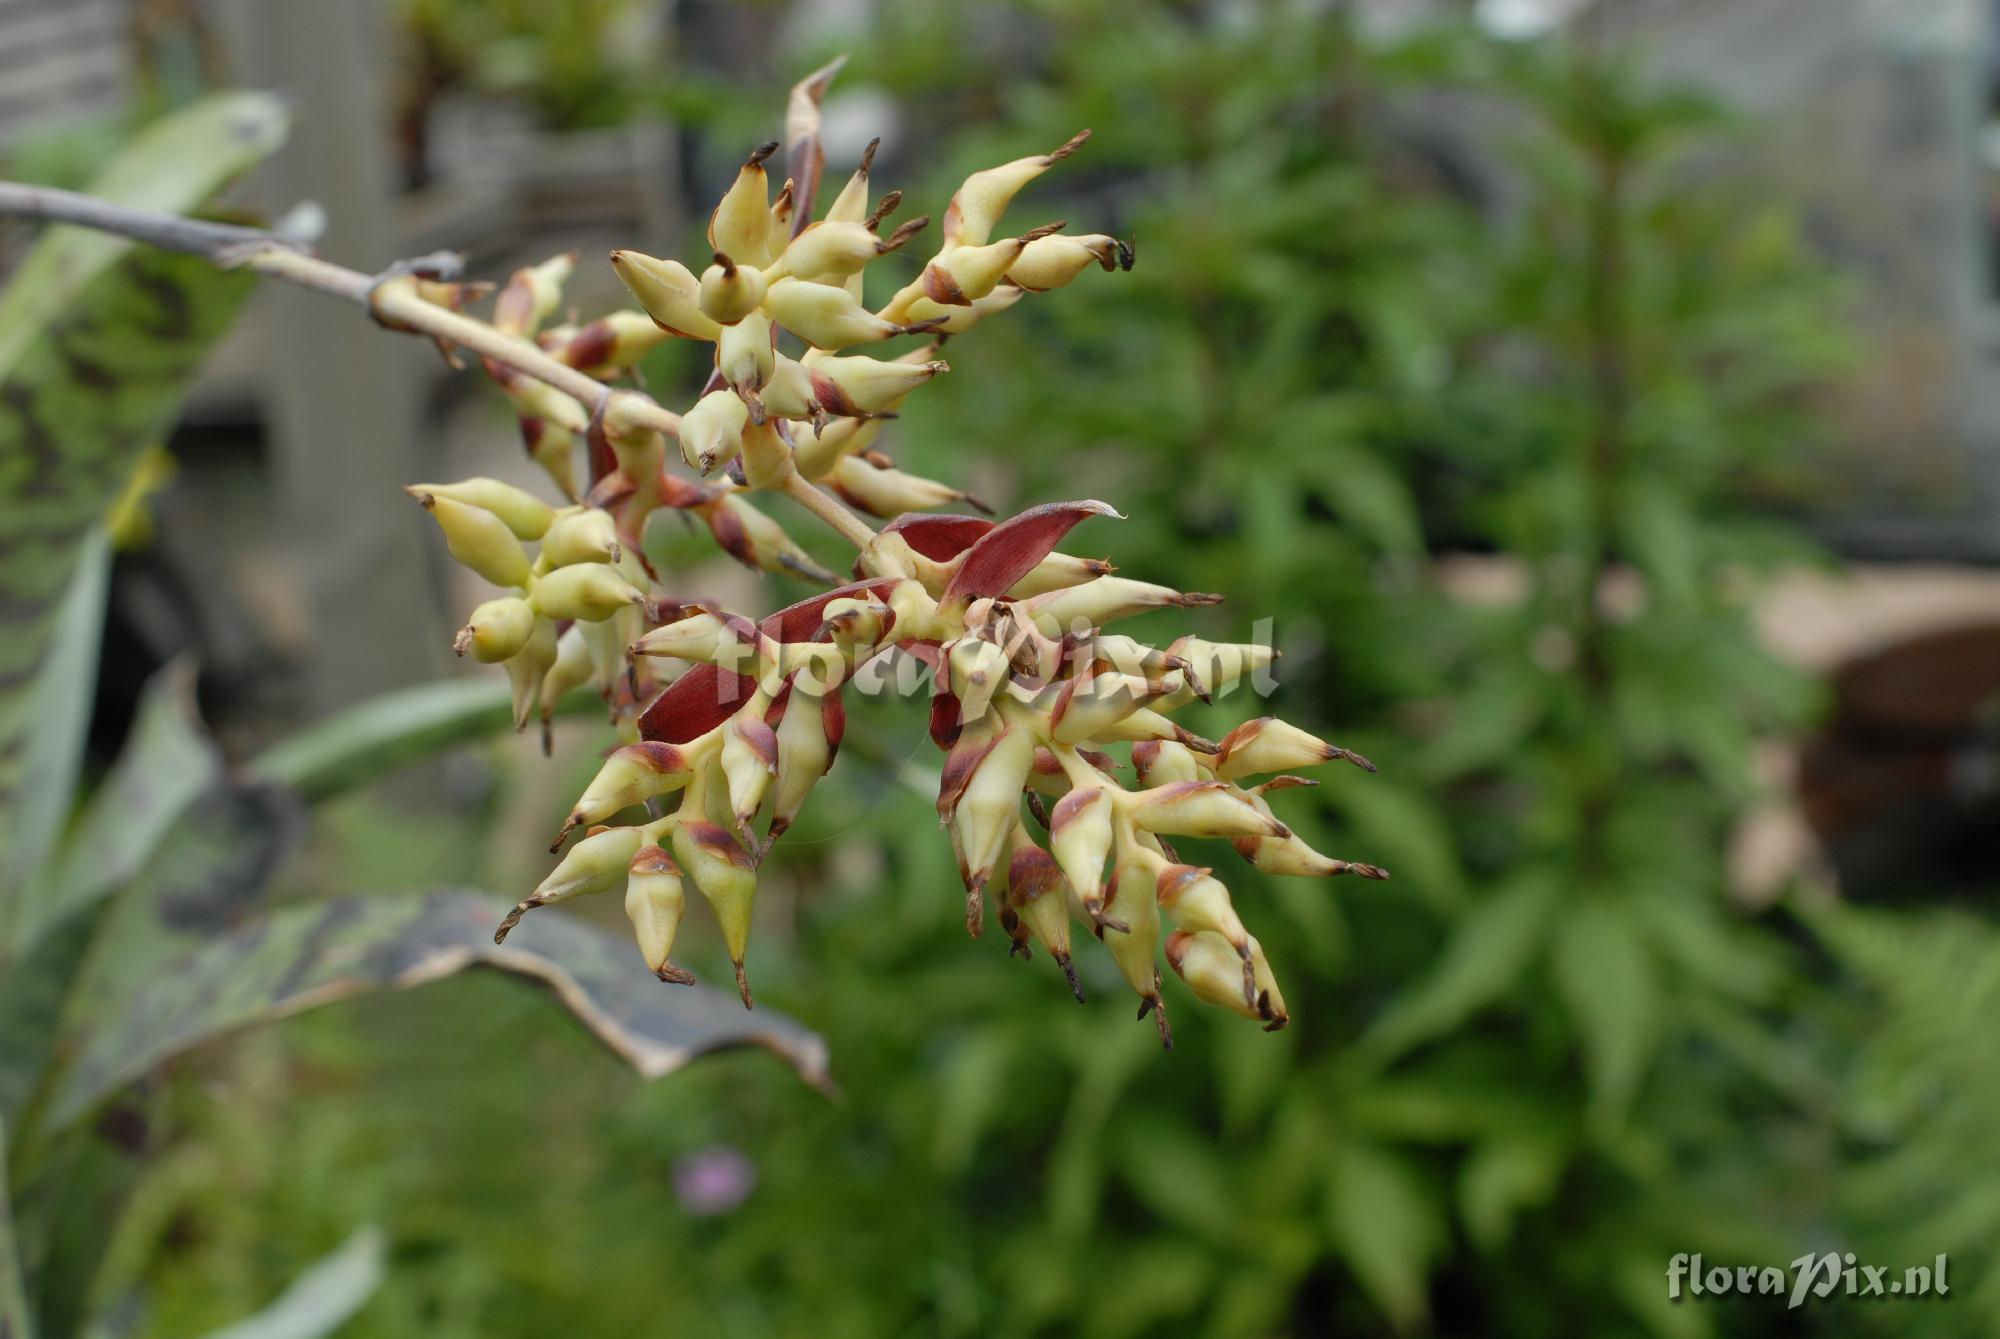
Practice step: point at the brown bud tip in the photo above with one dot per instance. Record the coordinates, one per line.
(1195, 599)
(1356, 759)
(728, 265)
(904, 232)
(868, 154)
(1368, 871)
(513, 918)
(1074, 143)
(674, 976)
(569, 826)
(463, 641)
(975, 904)
(1069, 970)
(743, 987)
(1045, 230)
(883, 208)
(760, 153)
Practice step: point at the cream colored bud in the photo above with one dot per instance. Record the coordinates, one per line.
(730, 292)
(1038, 895)
(1086, 708)
(989, 807)
(479, 540)
(571, 670)
(855, 623)
(825, 316)
(741, 224)
(887, 492)
(873, 385)
(1052, 262)
(553, 447)
(952, 319)
(519, 510)
(1217, 664)
(1080, 840)
(851, 205)
(1058, 571)
(744, 356)
(1268, 744)
(976, 209)
(668, 291)
(1095, 603)
(1197, 900)
(1131, 929)
(532, 294)
(756, 540)
(1203, 809)
(727, 877)
(749, 761)
(696, 637)
(597, 863)
(614, 343)
(528, 666)
(632, 774)
(497, 630)
(585, 536)
(587, 591)
(805, 752)
(831, 251)
(1162, 762)
(712, 432)
(978, 669)
(655, 901)
(1212, 968)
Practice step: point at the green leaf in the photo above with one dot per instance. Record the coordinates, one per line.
(55, 733)
(1504, 1176)
(1401, 829)
(15, 1320)
(1486, 955)
(99, 341)
(1386, 1224)
(323, 1298)
(1366, 494)
(392, 730)
(165, 766)
(1605, 974)
(303, 957)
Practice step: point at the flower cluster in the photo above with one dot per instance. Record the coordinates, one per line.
(736, 718)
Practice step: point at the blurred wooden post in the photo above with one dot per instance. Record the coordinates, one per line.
(342, 399)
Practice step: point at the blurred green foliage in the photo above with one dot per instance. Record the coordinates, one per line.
(1521, 1077)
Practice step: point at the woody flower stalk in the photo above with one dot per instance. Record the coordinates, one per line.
(730, 721)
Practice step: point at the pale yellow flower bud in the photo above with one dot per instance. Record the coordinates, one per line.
(668, 291)
(730, 292)
(519, 510)
(655, 900)
(727, 877)
(587, 591)
(478, 539)
(1203, 809)
(497, 630)
(1268, 744)
(1052, 262)
(588, 535)
(712, 432)
(741, 224)
(976, 209)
